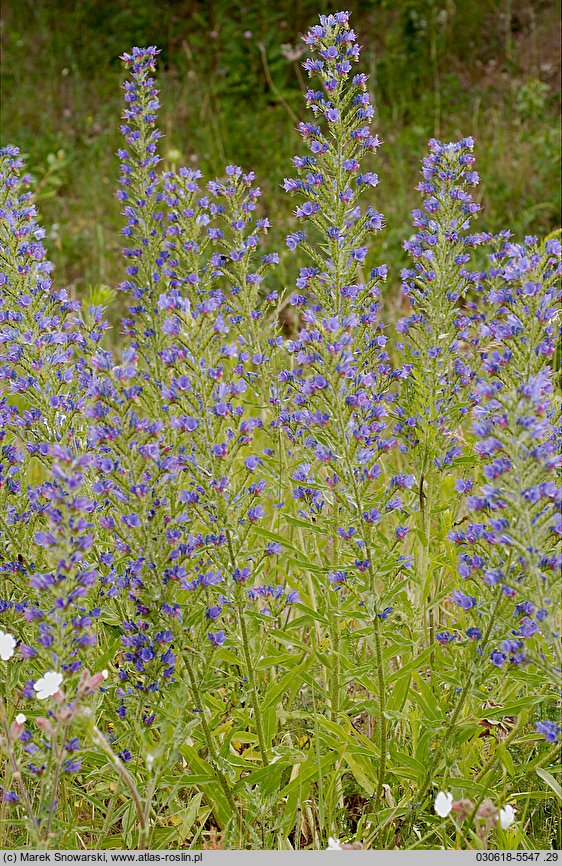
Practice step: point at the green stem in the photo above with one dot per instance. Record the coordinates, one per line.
(378, 645)
(549, 756)
(426, 504)
(17, 777)
(58, 765)
(335, 674)
(127, 780)
(334, 627)
(469, 684)
(382, 711)
(249, 665)
(209, 738)
(253, 687)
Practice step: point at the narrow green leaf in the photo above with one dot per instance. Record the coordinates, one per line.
(359, 774)
(399, 693)
(291, 680)
(505, 759)
(303, 524)
(550, 781)
(212, 788)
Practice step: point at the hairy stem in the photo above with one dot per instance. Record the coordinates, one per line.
(209, 742)
(17, 777)
(128, 781)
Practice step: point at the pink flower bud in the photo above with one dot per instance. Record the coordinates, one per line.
(487, 809)
(16, 729)
(44, 725)
(89, 684)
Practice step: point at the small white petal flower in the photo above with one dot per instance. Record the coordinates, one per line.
(48, 685)
(105, 673)
(443, 804)
(20, 718)
(333, 845)
(507, 816)
(7, 646)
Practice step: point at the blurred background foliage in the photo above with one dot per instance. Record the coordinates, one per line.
(232, 85)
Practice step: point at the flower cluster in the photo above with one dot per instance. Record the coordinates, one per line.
(43, 338)
(53, 621)
(514, 543)
(331, 181)
(436, 336)
(142, 195)
(486, 815)
(334, 393)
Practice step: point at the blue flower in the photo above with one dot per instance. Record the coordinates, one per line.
(464, 601)
(549, 730)
(497, 658)
(445, 637)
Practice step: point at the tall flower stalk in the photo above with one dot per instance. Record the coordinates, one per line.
(43, 337)
(335, 389)
(516, 541)
(510, 555)
(436, 340)
(142, 195)
(201, 493)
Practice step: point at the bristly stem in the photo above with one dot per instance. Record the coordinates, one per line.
(468, 685)
(249, 665)
(129, 783)
(382, 712)
(334, 628)
(17, 777)
(253, 686)
(209, 742)
(426, 505)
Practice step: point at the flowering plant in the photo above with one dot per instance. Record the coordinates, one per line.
(257, 540)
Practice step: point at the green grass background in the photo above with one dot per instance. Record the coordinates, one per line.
(232, 85)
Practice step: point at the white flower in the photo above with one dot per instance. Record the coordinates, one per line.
(507, 816)
(105, 673)
(48, 685)
(333, 845)
(20, 718)
(7, 646)
(443, 804)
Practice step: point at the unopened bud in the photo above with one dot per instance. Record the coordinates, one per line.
(64, 714)
(95, 682)
(487, 809)
(16, 729)
(89, 684)
(44, 725)
(462, 808)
